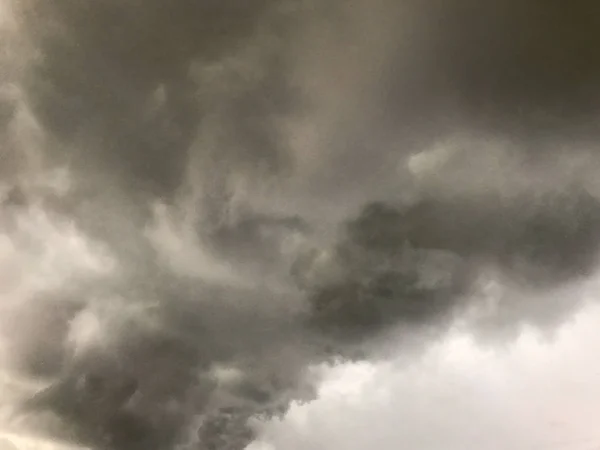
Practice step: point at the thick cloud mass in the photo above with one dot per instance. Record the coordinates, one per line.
(201, 200)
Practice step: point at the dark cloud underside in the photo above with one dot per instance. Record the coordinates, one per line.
(279, 184)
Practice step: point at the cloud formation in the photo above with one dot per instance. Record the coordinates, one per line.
(203, 200)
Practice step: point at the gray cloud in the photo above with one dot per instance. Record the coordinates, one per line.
(258, 188)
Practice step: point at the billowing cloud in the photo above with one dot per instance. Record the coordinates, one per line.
(204, 200)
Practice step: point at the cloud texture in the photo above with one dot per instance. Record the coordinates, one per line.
(204, 200)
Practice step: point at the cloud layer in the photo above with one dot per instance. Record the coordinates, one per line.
(204, 200)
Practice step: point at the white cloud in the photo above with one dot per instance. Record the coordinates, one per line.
(531, 394)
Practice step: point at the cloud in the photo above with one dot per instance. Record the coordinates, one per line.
(212, 199)
(531, 393)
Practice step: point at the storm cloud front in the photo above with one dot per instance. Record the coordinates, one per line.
(202, 201)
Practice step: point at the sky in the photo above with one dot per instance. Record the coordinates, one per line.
(530, 394)
(299, 224)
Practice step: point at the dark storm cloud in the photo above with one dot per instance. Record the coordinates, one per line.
(388, 254)
(250, 168)
(527, 66)
(113, 81)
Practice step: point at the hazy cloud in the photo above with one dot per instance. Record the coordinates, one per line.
(204, 200)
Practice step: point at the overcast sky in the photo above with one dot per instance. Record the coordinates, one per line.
(205, 203)
(531, 393)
